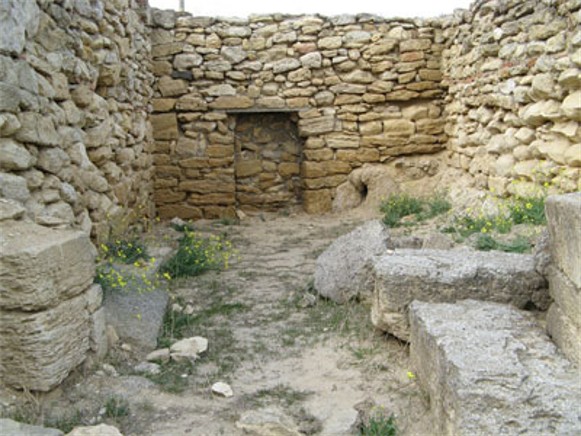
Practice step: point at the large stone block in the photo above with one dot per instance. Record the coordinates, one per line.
(565, 294)
(564, 221)
(317, 202)
(564, 332)
(165, 126)
(490, 369)
(316, 126)
(344, 270)
(39, 349)
(41, 267)
(449, 276)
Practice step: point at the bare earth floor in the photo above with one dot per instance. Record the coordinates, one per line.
(276, 345)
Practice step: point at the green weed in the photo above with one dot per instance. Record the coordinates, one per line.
(197, 254)
(379, 425)
(125, 251)
(399, 206)
(517, 245)
(528, 210)
(116, 407)
(65, 423)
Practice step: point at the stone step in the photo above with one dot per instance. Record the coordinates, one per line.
(446, 276)
(490, 368)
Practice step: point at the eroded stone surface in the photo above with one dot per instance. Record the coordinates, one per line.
(447, 276)
(490, 369)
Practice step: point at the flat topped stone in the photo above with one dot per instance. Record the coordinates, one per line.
(490, 369)
(40, 267)
(448, 276)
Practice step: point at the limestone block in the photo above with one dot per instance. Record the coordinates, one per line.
(571, 106)
(538, 113)
(169, 87)
(330, 42)
(41, 267)
(473, 392)
(414, 45)
(318, 125)
(231, 102)
(14, 428)
(39, 349)
(37, 129)
(381, 47)
(565, 294)
(572, 156)
(247, 168)
(189, 103)
(219, 90)
(14, 156)
(398, 127)
(284, 65)
(19, 21)
(448, 276)
(98, 342)
(311, 60)
(564, 332)
(101, 429)
(339, 140)
(165, 126)
(10, 210)
(317, 202)
(344, 270)
(564, 221)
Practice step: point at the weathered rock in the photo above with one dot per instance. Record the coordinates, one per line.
(564, 221)
(189, 348)
(136, 316)
(41, 348)
(19, 21)
(475, 392)
(14, 156)
(9, 427)
(222, 389)
(161, 355)
(565, 332)
(147, 368)
(41, 267)
(96, 430)
(344, 270)
(449, 276)
(270, 421)
(10, 210)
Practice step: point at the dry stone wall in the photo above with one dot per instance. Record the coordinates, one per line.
(362, 89)
(513, 104)
(74, 124)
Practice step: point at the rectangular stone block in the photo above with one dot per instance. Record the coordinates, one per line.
(316, 126)
(39, 349)
(564, 332)
(317, 202)
(40, 267)
(565, 294)
(448, 276)
(564, 221)
(489, 369)
(165, 126)
(97, 334)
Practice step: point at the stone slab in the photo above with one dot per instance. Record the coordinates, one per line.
(489, 369)
(450, 275)
(10, 427)
(40, 267)
(344, 270)
(565, 333)
(564, 224)
(565, 294)
(39, 349)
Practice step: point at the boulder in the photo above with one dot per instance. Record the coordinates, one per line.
(344, 270)
(188, 348)
(269, 421)
(95, 430)
(565, 332)
(42, 267)
(451, 275)
(489, 368)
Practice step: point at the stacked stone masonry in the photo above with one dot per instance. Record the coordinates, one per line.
(75, 89)
(493, 91)
(361, 89)
(513, 104)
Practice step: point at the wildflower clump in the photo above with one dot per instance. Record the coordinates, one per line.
(398, 206)
(124, 265)
(197, 254)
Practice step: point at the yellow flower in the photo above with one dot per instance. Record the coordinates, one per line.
(167, 276)
(529, 206)
(411, 375)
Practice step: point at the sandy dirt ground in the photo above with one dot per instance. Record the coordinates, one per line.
(316, 366)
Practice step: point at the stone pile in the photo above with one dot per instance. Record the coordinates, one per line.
(75, 136)
(564, 316)
(513, 104)
(366, 89)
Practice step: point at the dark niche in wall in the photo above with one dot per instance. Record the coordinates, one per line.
(267, 161)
